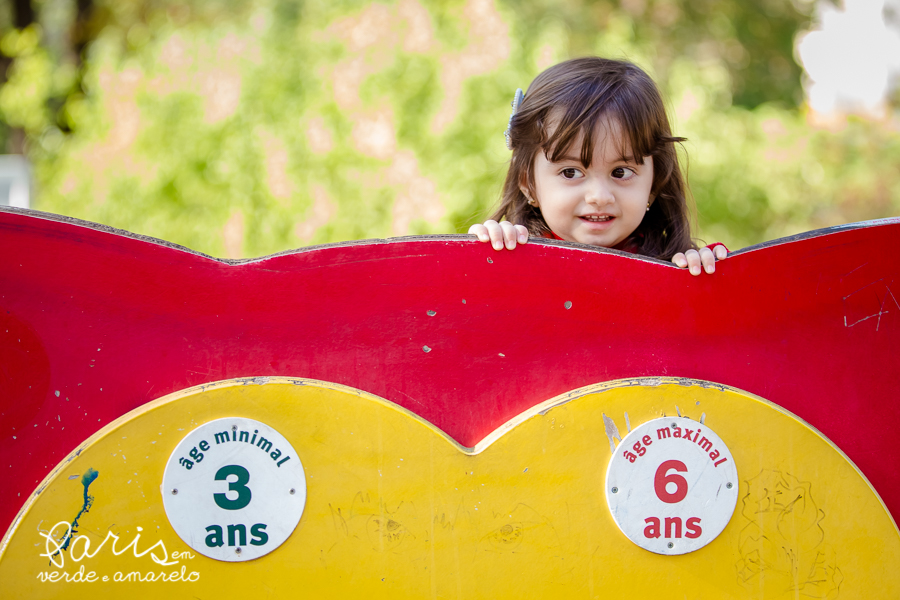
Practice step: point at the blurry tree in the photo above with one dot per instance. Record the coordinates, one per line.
(753, 40)
(18, 15)
(45, 44)
(241, 127)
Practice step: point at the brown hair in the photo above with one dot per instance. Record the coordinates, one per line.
(576, 95)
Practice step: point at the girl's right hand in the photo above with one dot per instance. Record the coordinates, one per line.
(500, 234)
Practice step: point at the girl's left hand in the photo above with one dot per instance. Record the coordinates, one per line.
(705, 258)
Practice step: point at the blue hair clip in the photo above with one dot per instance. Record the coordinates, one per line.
(516, 103)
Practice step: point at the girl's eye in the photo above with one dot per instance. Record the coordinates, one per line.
(571, 173)
(623, 173)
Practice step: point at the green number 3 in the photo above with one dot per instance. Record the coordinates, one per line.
(239, 486)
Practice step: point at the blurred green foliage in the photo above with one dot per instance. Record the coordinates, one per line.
(243, 128)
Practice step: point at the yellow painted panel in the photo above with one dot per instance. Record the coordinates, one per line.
(397, 510)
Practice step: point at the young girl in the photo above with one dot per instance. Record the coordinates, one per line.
(594, 162)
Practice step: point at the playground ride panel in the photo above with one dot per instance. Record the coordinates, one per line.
(424, 417)
(397, 509)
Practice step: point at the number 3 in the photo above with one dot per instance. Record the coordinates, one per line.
(239, 486)
(661, 479)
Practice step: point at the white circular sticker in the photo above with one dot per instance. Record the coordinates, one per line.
(234, 489)
(672, 485)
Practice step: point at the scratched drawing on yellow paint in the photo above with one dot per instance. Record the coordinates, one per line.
(782, 548)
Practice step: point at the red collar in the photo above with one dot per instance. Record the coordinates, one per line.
(629, 244)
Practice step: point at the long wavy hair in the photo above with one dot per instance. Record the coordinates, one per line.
(572, 98)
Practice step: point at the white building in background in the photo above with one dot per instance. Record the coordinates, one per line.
(15, 181)
(852, 57)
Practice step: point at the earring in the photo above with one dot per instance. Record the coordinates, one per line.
(648, 206)
(531, 201)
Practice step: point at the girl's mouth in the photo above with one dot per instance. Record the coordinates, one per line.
(597, 218)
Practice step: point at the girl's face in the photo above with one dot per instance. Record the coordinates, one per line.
(601, 205)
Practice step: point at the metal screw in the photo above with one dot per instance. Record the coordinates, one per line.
(293, 491)
(237, 550)
(674, 424)
(729, 485)
(615, 490)
(234, 428)
(670, 545)
(174, 491)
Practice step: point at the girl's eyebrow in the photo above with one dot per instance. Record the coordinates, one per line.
(569, 158)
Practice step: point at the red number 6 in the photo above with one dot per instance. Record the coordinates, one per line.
(661, 479)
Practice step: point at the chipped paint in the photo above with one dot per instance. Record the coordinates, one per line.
(612, 432)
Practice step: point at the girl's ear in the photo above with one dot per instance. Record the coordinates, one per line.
(523, 187)
(531, 200)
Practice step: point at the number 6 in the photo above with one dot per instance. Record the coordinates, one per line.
(661, 479)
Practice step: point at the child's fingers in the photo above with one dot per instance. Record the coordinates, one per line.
(708, 260)
(721, 252)
(510, 234)
(693, 262)
(495, 232)
(522, 232)
(480, 231)
(699, 261)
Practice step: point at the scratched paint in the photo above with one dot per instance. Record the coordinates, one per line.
(785, 541)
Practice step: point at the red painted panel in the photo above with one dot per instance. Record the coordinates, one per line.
(96, 322)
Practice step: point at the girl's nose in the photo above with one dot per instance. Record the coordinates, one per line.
(599, 194)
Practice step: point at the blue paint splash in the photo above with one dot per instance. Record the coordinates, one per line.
(86, 480)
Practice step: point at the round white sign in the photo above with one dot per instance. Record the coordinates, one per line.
(672, 485)
(234, 489)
